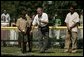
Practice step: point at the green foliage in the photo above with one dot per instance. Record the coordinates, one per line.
(14, 7)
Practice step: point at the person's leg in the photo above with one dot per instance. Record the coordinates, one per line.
(67, 42)
(30, 42)
(19, 39)
(40, 39)
(41, 42)
(45, 33)
(45, 39)
(7, 37)
(24, 41)
(74, 41)
(3, 37)
(29, 38)
(23, 46)
(50, 33)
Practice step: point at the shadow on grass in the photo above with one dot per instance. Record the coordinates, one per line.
(32, 51)
(37, 51)
(71, 52)
(49, 52)
(79, 52)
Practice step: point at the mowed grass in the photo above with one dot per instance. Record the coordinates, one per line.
(15, 51)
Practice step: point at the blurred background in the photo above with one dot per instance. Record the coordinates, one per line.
(56, 10)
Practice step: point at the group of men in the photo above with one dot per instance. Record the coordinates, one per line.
(26, 25)
(41, 20)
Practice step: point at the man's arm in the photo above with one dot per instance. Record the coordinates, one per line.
(76, 21)
(17, 24)
(43, 21)
(67, 26)
(34, 22)
(8, 18)
(76, 24)
(66, 21)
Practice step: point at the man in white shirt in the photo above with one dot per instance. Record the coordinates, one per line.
(41, 20)
(5, 19)
(72, 20)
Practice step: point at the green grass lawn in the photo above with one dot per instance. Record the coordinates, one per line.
(15, 51)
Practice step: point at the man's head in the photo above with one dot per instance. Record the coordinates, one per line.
(4, 12)
(39, 11)
(23, 14)
(72, 9)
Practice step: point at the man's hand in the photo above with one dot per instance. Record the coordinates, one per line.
(23, 31)
(69, 29)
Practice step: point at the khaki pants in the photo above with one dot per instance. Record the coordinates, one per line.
(71, 40)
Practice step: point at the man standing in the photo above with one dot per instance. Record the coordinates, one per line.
(29, 35)
(5, 20)
(41, 20)
(22, 27)
(72, 20)
(5, 17)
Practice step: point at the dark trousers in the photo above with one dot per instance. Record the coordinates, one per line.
(29, 35)
(44, 37)
(22, 40)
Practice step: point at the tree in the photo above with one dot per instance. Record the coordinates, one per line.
(14, 7)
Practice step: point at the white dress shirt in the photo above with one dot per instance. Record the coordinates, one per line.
(36, 21)
(72, 19)
(5, 17)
